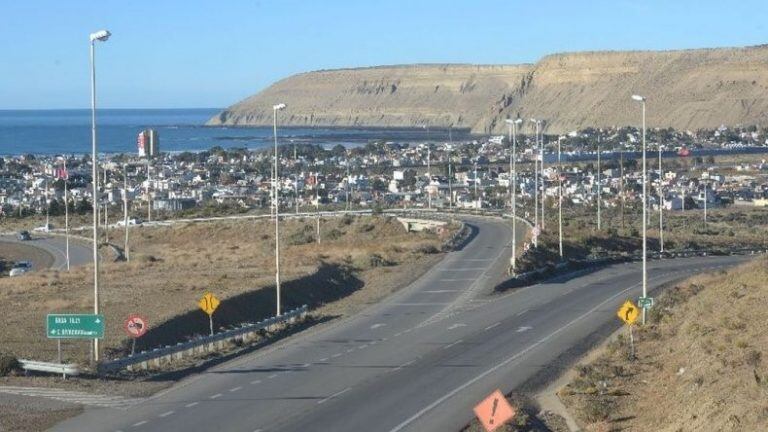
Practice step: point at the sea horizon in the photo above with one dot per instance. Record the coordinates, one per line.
(68, 131)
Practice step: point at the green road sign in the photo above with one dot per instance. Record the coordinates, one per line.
(645, 302)
(75, 326)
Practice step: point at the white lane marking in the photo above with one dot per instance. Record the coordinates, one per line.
(217, 395)
(457, 325)
(453, 344)
(377, 325)
(406, 364)
(465, 269)
(524, 329)
(143, 422)
(305, 365)
(500, 365)
(350, 350)
(398, 334)
(420, 304)
(254, 382)
(492, 326)
(272, 376)
(191, 404)
(334, 395)
(166, 414)
(323, 359)
(363, 346)
(336, 355)
(408, 331)
(443, 291)
(521, 312)
(232, 390)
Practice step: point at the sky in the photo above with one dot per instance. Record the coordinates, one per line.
(188, 54)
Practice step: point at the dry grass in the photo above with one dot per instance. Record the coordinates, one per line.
(700, 367)
(171, 267)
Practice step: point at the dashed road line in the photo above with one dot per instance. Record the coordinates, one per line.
(165, 414)
(337, 394)
(232, 390)
(191, 404)
(272, 376)
(324, 359)
(453, 344)
(216, 396)
(492, 326)
(143, 422)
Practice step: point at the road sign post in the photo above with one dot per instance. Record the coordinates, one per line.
(75, 326)
(136, 326)
(645, 302)
(208, 303)
(629, 313)
(494, 411)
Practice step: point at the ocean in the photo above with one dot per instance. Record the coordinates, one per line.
(49, 132)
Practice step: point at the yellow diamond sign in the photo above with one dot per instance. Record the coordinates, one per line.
(208, 303)
(628, 312)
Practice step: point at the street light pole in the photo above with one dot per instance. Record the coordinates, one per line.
(661, 204)
(535, 180)
(513, 190)
(66, 209)
(541, 170)
(102, 36)
(429, 176)
(560, 195)
(641, 99)
(599, 187)
(276, 199)
(125, 212)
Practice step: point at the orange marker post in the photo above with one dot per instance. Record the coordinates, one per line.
(494, 411)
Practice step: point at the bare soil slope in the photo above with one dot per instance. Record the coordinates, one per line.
(686, 89)
(701, 363)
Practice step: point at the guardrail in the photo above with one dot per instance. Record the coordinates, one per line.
(202, 343)
(57, 368)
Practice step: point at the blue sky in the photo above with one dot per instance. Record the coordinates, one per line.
(176, 54)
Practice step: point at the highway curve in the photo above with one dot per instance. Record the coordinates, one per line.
(51, 251)
(417, 361)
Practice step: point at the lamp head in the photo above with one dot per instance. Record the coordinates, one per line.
(101, 35)
(638, 98)
(278, 107)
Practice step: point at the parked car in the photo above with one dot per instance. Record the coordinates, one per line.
(44, 228)
(20, 268)
(24, 236)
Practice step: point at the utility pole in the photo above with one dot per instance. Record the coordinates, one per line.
(125, 212)
(429, 175)
(149, 196)
(705, 203)
(346, 187)
(599, 187)
(560, 194)
(477, 197)
(535, 178)
(661, 204)
(317, 204)
(275, 109)
(645, 209)
(66, 209)
(543, 185)
(513, 182)
(621, 186)
(101, 35)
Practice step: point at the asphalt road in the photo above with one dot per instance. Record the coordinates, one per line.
(417, 361)
(55, 246)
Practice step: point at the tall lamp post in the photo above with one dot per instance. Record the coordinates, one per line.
(641, 99)
(541, 171)
(560, 194)
(661, 204)
(101, 36)
(535, 179)
(66, 208)
(513, 181)
(275, 109)
(599, 187)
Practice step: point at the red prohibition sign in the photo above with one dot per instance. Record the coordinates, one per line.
(136, 326)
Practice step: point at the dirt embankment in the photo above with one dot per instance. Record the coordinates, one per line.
(700, 366)
(688, 89)
(359, 261)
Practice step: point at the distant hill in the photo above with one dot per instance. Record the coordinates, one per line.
(686, 89)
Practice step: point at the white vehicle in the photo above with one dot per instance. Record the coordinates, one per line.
(135, 221)
(20, 268)
(44, 228)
